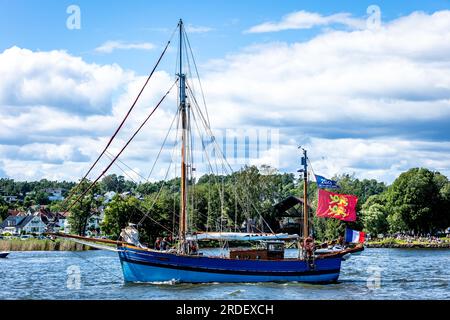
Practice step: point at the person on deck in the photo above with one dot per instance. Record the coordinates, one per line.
(158, 244)
(192, 247)
(308, 246)
(164, 244)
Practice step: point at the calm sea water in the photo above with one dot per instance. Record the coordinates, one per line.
(374, 274)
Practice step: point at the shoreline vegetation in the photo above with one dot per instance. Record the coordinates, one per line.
(396, 243)
(41, 245)
(416, 203)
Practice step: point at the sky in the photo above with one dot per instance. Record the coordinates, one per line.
(364, 86)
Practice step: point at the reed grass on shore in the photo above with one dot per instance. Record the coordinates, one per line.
(41, 245)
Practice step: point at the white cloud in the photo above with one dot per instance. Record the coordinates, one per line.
(110, 46)
(380, 158)
(343, 79)
(56, 128)
(307, 20)
(56, 78)
(382, 84)
(373, 102)
(198, 29)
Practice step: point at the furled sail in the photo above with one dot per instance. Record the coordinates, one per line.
(241, 236)
(131, 235)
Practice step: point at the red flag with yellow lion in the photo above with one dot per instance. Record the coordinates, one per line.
(338, 206)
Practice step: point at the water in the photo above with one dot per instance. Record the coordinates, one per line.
(404, 274)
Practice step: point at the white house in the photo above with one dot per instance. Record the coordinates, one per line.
(9, 224)
(94, 222)
(63, 222)
(38, 222)
(32, 224)
(55, 194)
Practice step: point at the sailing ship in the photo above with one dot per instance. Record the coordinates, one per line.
(186, 263)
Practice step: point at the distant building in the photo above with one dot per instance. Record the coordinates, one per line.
(13, 212)
(94, 222)
(9, 224)
(11, 199)
(34, 221)
(55, 194)
(64, 225)
(23, 224)
(53, 220)
(108, 196)
(31, 224)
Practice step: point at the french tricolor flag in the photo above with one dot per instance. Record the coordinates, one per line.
(354, 236)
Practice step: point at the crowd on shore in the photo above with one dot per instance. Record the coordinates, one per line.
(425, 238)
(410, 238)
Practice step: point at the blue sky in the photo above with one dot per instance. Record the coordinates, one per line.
(41, 25)
(369, 102)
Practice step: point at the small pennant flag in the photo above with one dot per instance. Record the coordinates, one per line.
(354, 236)
(338, 206)
(326, 183)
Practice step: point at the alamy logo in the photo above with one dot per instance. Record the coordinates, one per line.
(73, 277)
(244, 147)
(373, 22)
(374, 279)
(73, 22)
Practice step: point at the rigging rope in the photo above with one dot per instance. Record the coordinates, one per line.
(198, 78)
(217, 182)
(163, 144)
(98, 266)
(123, 148)
(224, 160)
(165, 177)
(120, 125)
(111, 156)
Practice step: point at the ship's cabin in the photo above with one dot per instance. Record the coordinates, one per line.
(267, 250)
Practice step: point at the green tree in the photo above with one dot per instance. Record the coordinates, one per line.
(374, 215)
(28, 201)
(41, 198)
(82, 209)
(3, 210)
(118, 213)
(161, 210)
(414, 200)
(56, 206)
(115, 183)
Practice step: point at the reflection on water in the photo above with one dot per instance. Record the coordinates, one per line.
(374, 274)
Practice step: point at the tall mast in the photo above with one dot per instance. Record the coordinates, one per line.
(305, 195)
(182, 93)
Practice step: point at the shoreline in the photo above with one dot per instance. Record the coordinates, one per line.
(445, 245)
(42, 245)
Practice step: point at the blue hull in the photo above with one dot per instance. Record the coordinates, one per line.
(155, 266)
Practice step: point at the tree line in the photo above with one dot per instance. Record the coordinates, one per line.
(418, 202)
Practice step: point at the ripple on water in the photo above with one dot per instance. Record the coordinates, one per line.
(404, 274)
